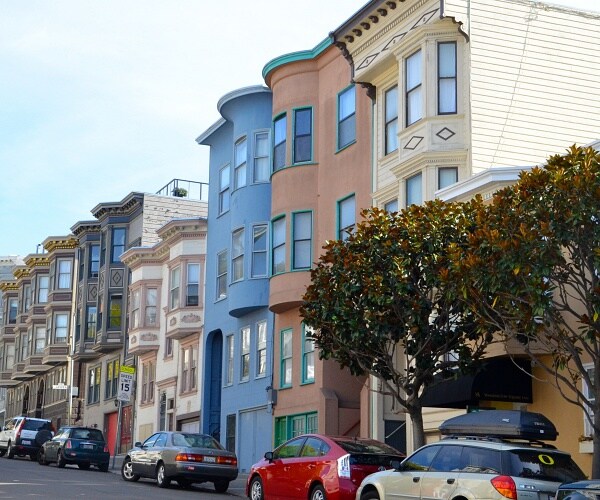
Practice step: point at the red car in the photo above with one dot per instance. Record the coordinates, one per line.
(318, 467)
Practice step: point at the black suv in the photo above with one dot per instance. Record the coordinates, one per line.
(24, 436)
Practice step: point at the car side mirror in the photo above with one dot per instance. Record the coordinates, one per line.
(396, 464)
(138, 444)
(269, 456)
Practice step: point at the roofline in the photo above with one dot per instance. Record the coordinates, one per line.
(302, 55)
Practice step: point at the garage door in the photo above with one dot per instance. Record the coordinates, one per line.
(255, 433)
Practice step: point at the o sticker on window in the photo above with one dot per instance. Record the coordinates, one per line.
(546, 459)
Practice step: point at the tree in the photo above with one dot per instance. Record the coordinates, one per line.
(383, 302)
(532, 271)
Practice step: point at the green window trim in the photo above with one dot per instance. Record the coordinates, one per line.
(286, 356)
(308, 357)
(278, 245)
(299, 237)
(299, 134)
(338, 222)
(290, 426)
(345, 117)
(279, 135)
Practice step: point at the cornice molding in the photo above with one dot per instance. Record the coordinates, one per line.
(37, 260)
(53, 243)
(9, 285)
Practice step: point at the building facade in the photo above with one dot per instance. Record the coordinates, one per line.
(237, 396)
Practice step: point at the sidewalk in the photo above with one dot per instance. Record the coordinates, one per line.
(237, 487)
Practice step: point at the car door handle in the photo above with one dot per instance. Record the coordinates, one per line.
(311, 466)
(450, 480)
(416, 479)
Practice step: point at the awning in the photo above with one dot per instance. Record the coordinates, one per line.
(498, 379)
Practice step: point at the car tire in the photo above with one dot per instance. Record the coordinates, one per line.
(318, 493)
(84, 466)
(127, 471)
(10, 451)
(256, 489)
(162, 480)
(42, 457)
(103, 467)
(60, 460)
(2, 453)
(221, 485)
(370, 495)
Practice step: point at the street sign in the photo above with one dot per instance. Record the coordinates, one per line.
(126, 375)
(60, 387)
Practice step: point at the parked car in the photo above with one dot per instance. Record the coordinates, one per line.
(315, 466)
(83, 446)
(181, 456)
(580, 490)
(474, 463)
(24, 436)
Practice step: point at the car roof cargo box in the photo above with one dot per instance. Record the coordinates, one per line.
(505, 424)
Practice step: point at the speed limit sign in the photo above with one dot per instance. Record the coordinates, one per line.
(126, 375)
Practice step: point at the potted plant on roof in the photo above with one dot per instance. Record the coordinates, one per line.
(179, 192)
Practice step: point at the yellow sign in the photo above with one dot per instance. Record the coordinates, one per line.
(127, 369)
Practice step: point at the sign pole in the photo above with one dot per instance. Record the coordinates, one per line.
(126, 374)
(118, 433)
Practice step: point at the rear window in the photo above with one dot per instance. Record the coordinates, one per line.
(196, 441)
(545, 465)
(91, 434)
(366, 446)
(35, 425)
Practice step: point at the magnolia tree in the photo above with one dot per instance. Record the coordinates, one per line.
(385, 302)
(532, 271)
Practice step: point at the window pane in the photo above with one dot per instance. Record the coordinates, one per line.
(391, 206)
(413, 71)
(447, 59)
(347, 103)
(259, 251)
(447, 177)
(413, 106)
(241, 151)
(303, 135)
(347, 131)
(279, 141)
(447, 98)
(347, 217)
(413, 88)
(261, 157)
(414, 195)
(279, 246)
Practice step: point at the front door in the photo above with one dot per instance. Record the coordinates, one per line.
(110, 424)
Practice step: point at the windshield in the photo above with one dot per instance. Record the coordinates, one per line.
(544, 464)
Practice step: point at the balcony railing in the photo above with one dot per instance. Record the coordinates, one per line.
(181, 188)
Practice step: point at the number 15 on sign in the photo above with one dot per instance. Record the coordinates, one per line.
(125, 383)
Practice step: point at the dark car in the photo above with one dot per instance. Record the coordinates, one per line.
(316, 467)
(24, 436)
(181, 456)
(579, 490)
(83, 446)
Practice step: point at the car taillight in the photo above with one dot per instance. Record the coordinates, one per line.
(227, 460)
(505, 486)
(18, 433)
(68, 444)
(189, 457)
(106, 449)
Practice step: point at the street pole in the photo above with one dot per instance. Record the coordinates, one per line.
(118, 433)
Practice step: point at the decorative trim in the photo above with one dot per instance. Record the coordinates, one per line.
(413, 142)
(445, 133)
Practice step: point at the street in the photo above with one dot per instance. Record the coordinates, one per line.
(21, 478)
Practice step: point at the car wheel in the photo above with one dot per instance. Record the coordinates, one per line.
(60, 460)
(256, 489)
(103, 467)
(10, 451)
(370, 495)
(318, 493)
(221, 486)
(42, 458)
(2, 453)
(184, 483)
(83, 466)
(161, 476)
(127, 471)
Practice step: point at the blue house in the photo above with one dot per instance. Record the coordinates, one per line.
(238, 340)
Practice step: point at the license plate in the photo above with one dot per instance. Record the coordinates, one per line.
(87, 446)
(210, 460)
(25, 441)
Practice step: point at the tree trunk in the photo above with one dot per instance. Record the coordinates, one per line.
(416, 416)
(596, 455)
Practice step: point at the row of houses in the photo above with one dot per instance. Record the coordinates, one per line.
(406, 101)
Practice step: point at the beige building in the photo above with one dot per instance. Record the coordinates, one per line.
(166, 319)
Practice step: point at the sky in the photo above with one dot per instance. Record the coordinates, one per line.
(99, 98)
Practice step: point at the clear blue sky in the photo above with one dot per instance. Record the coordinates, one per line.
(101, 98)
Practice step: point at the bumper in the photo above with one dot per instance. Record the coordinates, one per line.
(85, 457)
(201, 472)
(26, 449)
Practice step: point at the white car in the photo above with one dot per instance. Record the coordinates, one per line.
(24, 436)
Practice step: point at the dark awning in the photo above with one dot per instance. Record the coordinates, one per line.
(498, 379)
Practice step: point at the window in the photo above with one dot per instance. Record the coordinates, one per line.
(135, 309)
(414, 111)
(278, 251)
(94, 263)
(102, 249)
(295, 425)
(13, 309)
(237, 255)
(414, 192)
(286, 358)
(60, 328)
(391, 120)
(346, 217)
(24, 347)
(222, 275)
(230, 432)
(26, 297)
(192, 285)
(148, 377)
(224, 189)
(64, 274)
(90, 327)
(151, 304)
(118, 244)
(189, 358)
(245, 353)
(308, 356)
(391, 206)
(43, 285)
(259, 251)
(40, 339)
(446, 78)
(302, 240)
(93, 395)
(261, 348)
(168, 347)
(590, 396)
(447, 176)
(241, 154)
(346, 117)
(174, 288)
(115, 310)
(229, 361)
(279, 142)
(261, 157)
(112, 379)
(302, 135)
(10, 356)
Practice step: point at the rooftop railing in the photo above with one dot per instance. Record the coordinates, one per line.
(181, 188)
